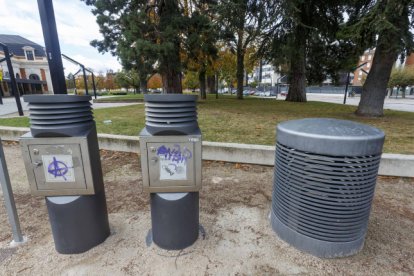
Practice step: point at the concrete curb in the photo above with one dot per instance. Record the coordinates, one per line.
(391, 164)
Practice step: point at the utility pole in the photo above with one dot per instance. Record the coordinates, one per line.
(47, 18)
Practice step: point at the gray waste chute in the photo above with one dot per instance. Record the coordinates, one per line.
(63, 164)
(170, 146)
(324, 182)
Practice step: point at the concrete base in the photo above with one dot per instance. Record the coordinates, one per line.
(78, 223)
(319, 248)
(175, 219)
(17, 243)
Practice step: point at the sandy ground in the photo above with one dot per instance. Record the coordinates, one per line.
(235, 203)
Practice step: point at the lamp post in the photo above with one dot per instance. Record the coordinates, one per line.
(348, 77)
(47, 18)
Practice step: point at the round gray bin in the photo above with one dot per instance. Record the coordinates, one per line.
(324, 181)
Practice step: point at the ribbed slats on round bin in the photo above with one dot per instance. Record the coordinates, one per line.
(171, 114)
(61, 115)
(321, 202)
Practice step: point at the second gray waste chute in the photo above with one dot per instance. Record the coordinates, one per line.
(170, 147)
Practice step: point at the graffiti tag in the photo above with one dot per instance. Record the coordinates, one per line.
(175, 154)
(58, 168)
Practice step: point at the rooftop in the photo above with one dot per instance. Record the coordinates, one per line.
(16, 44)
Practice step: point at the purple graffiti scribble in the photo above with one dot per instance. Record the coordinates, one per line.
(58, 168)
(175, 154)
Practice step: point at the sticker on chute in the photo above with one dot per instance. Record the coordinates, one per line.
(58, 168)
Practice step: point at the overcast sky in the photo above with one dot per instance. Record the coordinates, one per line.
(76, 27)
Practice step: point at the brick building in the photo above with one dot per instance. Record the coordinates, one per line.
(30, 67)
(359, 75)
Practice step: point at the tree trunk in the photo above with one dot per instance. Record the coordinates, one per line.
(375, 86)
(217, 85)
(143, 86)
(202, 82)
(297, 87)
(211, 84)
(171, 82)
(240, 69)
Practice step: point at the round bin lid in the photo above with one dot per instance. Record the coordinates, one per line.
(331, 137)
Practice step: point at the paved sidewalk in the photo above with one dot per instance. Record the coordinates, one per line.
(400, 104)
(9, 108)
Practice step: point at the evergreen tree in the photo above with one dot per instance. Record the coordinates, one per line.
(385, 25)
(304, 38)
(199, 47)
(242, 22)
(145, 35)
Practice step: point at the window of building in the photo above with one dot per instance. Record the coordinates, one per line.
(362, 58)
(360, 73)
(369, 57)
(359, 78)
(29, 55)
(368, 65)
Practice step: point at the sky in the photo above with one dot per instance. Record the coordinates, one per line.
(76, 27)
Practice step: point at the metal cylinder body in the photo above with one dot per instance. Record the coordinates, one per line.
(175, 219)
(324, 182)
(78, 222)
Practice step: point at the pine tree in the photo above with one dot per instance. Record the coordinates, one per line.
(385, 25)
(304, 38)
(242, 22)
(145, 35)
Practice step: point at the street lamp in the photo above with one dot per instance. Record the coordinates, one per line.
(348, 76)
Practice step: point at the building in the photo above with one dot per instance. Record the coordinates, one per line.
(359, 75)
(409, 60)
(30, 67)
(269, 75)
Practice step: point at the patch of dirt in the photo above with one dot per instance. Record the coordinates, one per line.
(234, 210)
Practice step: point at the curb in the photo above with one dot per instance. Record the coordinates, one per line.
(391, 164)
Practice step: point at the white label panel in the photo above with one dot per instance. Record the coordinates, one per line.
(170, 170)
(58, 168)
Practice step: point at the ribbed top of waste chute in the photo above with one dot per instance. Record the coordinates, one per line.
(171, 114)
(59, 115)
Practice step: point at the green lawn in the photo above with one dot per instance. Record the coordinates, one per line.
(253, 120)
(123, 98)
